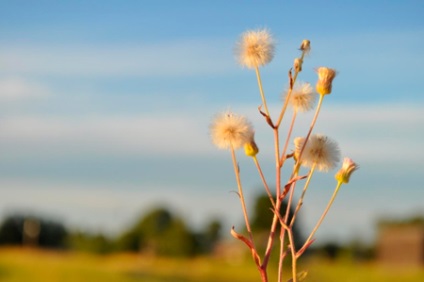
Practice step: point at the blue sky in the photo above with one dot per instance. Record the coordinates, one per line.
(105, 107)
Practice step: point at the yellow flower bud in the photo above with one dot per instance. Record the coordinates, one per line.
(251, 149)
(325, 80)
(347, 169)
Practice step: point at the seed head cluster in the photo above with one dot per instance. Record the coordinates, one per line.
(255, 48)
(231, 131)
(320, 151)
(302, 97)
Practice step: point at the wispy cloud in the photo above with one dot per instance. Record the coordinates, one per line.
(389, 132)
(18, 89)
(119, 135)
(166, 59)
(364, 52)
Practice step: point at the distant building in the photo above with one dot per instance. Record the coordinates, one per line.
(401, 244)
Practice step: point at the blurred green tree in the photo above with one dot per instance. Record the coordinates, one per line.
(162, 233)
(94, 243)
(159, 232)
(21, 229)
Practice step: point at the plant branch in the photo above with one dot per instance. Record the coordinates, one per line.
(240, 194)
(300, 202)
(258, 76)
(336, 190)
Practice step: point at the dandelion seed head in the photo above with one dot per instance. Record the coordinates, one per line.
(320, 151)
(255, 48)
(302, 97)
(229, 130)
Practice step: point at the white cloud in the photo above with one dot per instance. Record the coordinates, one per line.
(103, 135)
(377, 134)
(166, 59)
(20, 89)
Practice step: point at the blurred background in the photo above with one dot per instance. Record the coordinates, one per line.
(105, 109)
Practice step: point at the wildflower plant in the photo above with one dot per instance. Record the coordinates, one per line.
(313, 152)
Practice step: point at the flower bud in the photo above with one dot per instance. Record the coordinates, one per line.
(347, 169)
(325, 80)
(297, 65)
(251, 149)
(305, 46)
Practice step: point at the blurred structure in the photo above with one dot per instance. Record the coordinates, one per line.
(401, 243)
(31, 231)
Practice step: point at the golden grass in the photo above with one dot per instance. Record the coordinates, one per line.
(18, 264)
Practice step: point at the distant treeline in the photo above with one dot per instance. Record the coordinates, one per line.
(158, 232)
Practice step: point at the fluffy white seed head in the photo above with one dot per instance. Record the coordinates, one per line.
(229, 130)
(302, 97)
(320, 151)
(255, 48)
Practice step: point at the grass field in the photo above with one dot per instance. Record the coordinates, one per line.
(35, 265)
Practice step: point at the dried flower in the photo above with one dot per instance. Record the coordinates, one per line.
(302, 97)
(229, 130)
(255, 48)
(297, 65)
(325, 79)
(305, 46)
(347, 169)
(320, 151)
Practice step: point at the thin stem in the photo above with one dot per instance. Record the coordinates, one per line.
(286, 102)
(240, 193)
(258, 76)
(268, 191)
(311, 127)
(283, 230)
(283, 155)
(277, 161)
(300, 202)
(278, 200)
(336, 190)
(283, 110)
(271, 234)
(264, 275)
(293, 253)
